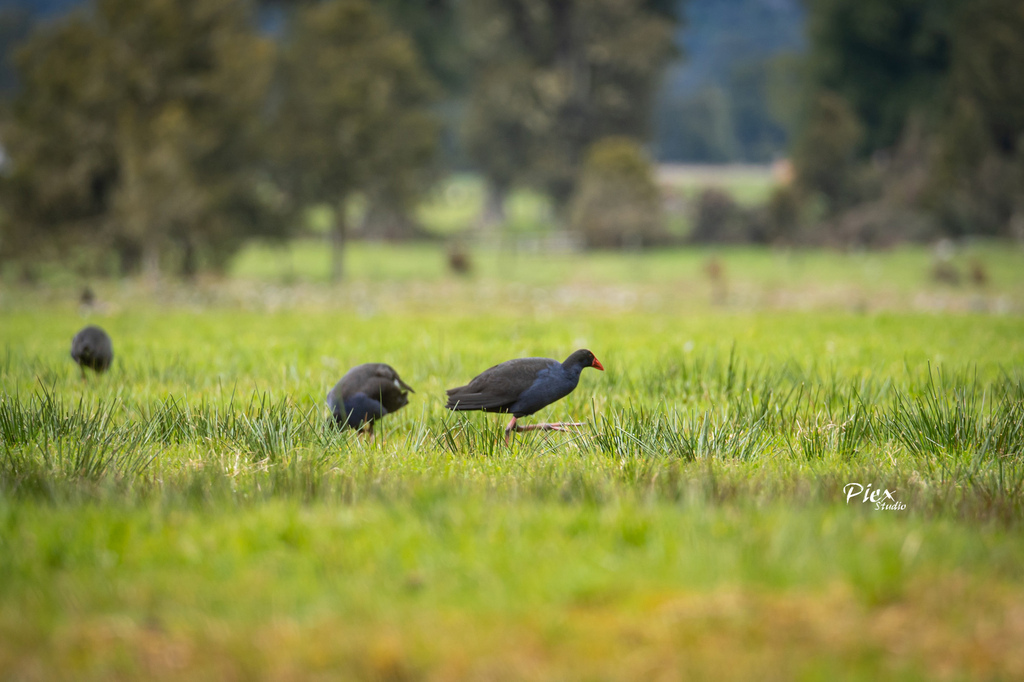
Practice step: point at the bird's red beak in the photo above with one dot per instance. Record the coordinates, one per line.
(597, 365)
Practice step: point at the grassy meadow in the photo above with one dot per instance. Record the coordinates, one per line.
(192, 514)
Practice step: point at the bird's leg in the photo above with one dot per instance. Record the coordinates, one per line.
(556, 426)
(508, 429)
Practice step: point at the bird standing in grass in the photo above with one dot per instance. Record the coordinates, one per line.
(365, 394)
(522, 387)
(92, 348)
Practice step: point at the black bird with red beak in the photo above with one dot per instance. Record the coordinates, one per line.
(523, 386)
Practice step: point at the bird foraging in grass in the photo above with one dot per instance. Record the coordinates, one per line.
(523, 386)
(365, 394)
(92, 348)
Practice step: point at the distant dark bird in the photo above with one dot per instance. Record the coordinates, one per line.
(979, 273)
(92, 348)
(523, 386)
(715, 272)
(365, 394)
(458, 260)
(87, 298)
(945, 272)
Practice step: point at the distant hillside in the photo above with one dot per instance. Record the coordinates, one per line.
(718, 34)
(41, 8)
(716, 102)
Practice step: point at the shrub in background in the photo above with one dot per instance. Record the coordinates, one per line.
(718, 219)
(825, 155)
(617, 203)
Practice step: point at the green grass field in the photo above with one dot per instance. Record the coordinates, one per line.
(193, 515)
(453, 207)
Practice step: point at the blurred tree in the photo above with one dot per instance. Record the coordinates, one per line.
(936, 90)
(978, 177)
(15, 24)
(550, 77)
(137, 128)
(501, 123)
(825, 156)
(433, 26)
(617, 203)
(887, 59)
(63, 158)
(718, 218)
(353, 114)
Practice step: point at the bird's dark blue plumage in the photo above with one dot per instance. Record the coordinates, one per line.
(553, 382)
(91, 347)
(357, 409)
(365, 394)
(522, 386)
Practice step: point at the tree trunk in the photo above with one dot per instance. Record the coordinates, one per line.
(338, 245)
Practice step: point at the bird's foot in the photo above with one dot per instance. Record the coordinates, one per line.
(555, 426)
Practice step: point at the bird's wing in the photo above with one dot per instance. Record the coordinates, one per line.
(365, 377)
(353, 380)
(463, 399)
(497, 386)
(388, 373)
(387, 391)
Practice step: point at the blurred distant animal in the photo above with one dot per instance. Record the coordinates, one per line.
(945, 272)
(92, 348)
(943, 269)
(979, 273)
(715, 272)
(365, 394)
(458, 260)
(713, 269)
(87, 298)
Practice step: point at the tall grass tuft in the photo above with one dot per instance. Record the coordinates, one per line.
(953, 413)
(942, 415)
